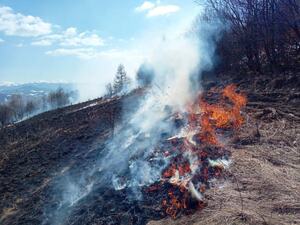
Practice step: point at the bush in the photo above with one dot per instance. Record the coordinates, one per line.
(263, 34)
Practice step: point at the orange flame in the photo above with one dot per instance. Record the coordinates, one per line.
(221, 115)
(225, 114)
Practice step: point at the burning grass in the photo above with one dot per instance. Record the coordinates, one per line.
(200, 155)
(261, 185)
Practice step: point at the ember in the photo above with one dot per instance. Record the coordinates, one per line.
(201, 156)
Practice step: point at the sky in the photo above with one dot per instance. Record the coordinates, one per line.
(83, 40)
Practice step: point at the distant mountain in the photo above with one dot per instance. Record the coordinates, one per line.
(31, 90)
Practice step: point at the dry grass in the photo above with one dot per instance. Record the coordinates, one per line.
(263, 184)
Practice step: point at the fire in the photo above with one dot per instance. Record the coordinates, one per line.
(221, 115)
(190, 171)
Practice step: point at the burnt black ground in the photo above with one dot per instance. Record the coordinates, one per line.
(42, 155)
(39, 154)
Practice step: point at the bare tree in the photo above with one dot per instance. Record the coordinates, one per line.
(16, 103)
(44, 103)
(58, 98)
(30, 107)
(263, 33)
(5, 115)
(109, 90)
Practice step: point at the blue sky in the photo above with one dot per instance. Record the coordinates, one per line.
(82, 40)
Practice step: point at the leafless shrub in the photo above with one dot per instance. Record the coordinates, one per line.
(58, 98)
(109, 90)
(263, 33)
(5, 115)
(30, 107)
(17, 105)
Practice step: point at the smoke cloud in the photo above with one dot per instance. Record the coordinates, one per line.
(177, 63)
(129, 159)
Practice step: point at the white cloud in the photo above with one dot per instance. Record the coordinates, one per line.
(163, 10)
(111, 54)
(1, 40)
(43, 42)
(91, 53)
(71, 38)
(82, 53)
(145, 6)
(16, 24)
(45, 34)
(156, 9)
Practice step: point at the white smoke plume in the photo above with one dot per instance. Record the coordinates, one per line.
(128, 152)
(177, 62)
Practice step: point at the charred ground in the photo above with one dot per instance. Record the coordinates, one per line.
(260, 188)
(37, 153)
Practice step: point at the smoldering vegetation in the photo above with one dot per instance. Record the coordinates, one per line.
(259, 187)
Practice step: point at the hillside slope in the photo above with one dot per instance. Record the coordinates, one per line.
(261, 187)
(36, 153)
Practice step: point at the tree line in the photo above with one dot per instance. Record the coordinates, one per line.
(17, 107)
(262, 34)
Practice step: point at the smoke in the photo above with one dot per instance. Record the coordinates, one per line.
(94, 74)
(175, 61)
(130, 159)
(88, 91)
